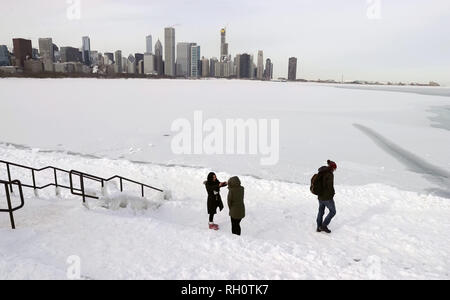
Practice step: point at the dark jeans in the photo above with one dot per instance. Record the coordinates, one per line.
(211, 218)
(331, 207)
(236, 226)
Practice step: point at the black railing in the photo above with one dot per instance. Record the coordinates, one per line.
(75, 191)
(34, 172)
(101, 180)
(8, 187)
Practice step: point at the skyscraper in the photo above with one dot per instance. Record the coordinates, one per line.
(35, 53)
(260, 65)
(46, 51)
(169, 54)
(94, 58)
(132, 67)
(124, 64)
(110, 56)
(252, 70)
(86, 50)
(4, 56)
(149, 64)
(268, 72)
(223, 45)
(205, 67)
(195, 61)
(159, 63)
(212, 66)
(244, 66)
(118, 62)
(22, 51)
(139, 57)
(183, 65)
(292, 71)
(70, 54)
(148, 44)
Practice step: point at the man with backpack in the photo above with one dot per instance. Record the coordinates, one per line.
(322, 185)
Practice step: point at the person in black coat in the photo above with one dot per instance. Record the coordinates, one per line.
(213, 186)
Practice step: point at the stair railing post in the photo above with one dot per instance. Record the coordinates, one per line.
(9, 176)
(8, 199)
(57, 192)
(34, 183)
(82, 187)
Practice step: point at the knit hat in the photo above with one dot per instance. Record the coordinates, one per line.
(332, 164)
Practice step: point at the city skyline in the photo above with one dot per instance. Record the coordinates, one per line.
(405, 44)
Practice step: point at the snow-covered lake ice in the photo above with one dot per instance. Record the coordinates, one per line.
(393, 183)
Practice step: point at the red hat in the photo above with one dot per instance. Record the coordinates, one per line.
(332, 164)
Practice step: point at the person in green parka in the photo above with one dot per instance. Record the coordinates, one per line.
(236, 204)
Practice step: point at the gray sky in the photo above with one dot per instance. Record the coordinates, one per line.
(406, 40)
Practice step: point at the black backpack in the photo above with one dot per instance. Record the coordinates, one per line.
(316, 184)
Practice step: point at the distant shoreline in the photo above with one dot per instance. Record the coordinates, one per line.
(362, 84)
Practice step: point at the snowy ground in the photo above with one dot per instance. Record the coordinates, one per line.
(393, 188)
(380, 232)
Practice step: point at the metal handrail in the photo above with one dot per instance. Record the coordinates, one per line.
(83, 176)
(10, 209)
(76, 191)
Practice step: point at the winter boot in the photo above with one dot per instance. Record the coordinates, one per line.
(213, 226)
(325, 229)
(319, 229)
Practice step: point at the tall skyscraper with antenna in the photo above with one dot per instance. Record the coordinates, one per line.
(223, 45)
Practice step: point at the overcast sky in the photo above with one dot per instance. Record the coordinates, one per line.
(401, 40)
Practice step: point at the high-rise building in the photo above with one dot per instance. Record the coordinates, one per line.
(86, 50)
(140, 68)
(237, 64)
(35, 53)
(69, 54)
(244, 66)
(223, 45)
(268, 72)
(124, 64)
(148, 44)
(159, 63)
(95, 58)
(183, 65)
(195, 61)
(139, 57)
(150, 64)
(260, 65)
(217, 69)
(132, 66)
(118, 62)
(205, 67)
(22, 51)
(47, 53)
(212, 66)
(169, 51)
(292, 71)
(252, 71)
(4, 56)
(110, 56)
